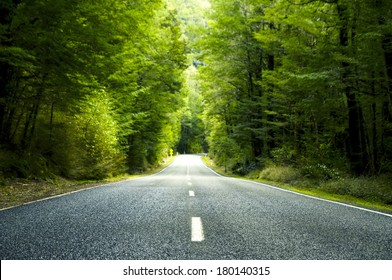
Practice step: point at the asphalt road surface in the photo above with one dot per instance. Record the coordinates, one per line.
(189, 212)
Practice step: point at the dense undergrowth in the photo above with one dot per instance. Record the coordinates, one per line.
(373, 192)
(375, 188)
(17, 191)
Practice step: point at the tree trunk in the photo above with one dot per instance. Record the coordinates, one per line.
(255, 92)
(5, 81)
(357, 154)
(381, 6)
(374, 145)
(6, 70)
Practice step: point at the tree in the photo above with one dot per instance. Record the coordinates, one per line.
(83, 82)
(233, 75)
(306, 78)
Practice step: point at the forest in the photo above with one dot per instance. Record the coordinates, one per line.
(300, 82)
(91, 89)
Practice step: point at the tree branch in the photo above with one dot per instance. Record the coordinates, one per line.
(311, 1)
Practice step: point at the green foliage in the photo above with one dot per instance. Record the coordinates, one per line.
(16, 57)
(89, 89)
(192, 127)
(30, 165)
(304, 84)
(224, 151)
(320, 172)
(369, 188)
(93, 150)
(283, 174)
(283, 156)
(235, 103)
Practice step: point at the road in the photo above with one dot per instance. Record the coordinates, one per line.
(189, 212)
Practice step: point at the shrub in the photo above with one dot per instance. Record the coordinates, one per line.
(369, 188)
(284, 174)
(30, 165)
(283, 156)
(320, 172)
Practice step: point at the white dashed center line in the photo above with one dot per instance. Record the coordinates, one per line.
(197, 230)
(189, 184)
(191, 193)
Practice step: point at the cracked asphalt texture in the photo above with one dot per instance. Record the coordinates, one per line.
(150, 219)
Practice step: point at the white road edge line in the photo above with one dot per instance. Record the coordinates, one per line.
(86, 189)
(191, 193)
(301, 194)
(197, 230)
(63, 194)
(321, 199)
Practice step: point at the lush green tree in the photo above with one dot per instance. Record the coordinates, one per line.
(88, 86)
(93, 88)
(334, 52)
(192, 126)
(151, 86)
(232, 79)
(191, 16)
(299, 82)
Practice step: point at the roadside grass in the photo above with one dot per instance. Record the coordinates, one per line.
(374, 193)
(14, 192)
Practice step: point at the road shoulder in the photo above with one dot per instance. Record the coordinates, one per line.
(16, 192)
(318, 194)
